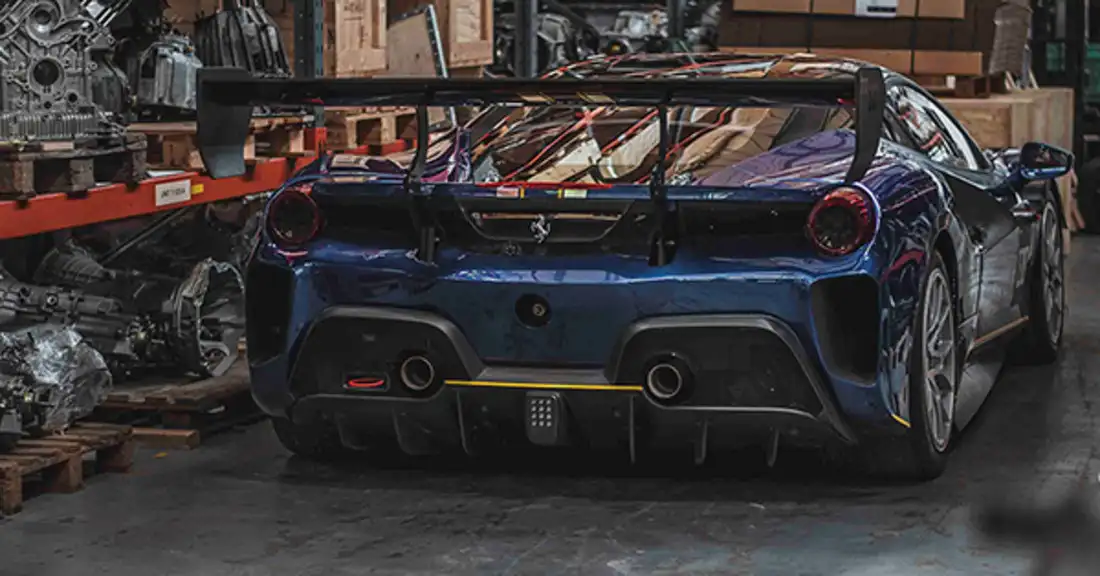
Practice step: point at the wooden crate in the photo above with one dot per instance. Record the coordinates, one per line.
(1013, 119)
(352, 128)
(951, 37)
(70, 166)
(173, 144)
(965, 86)
(955, 9)
(466, 27)
(911, 62)
(171, 414)
(354, 31)
(59, 460)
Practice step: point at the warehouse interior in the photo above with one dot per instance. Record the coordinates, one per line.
(156, 313)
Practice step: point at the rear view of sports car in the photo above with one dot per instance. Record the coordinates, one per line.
(649, 251)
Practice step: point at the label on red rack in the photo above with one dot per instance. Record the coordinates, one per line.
(509, 192)
(170, 193)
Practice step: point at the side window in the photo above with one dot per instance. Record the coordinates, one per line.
(932, 131)
(963, 142)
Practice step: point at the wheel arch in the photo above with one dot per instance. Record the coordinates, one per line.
(946, 249)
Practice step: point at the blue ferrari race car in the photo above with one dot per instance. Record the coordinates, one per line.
(647, 251)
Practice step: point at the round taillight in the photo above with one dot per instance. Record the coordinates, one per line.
(841, 222)
(293, 219)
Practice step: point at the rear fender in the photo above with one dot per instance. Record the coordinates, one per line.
(910, 229)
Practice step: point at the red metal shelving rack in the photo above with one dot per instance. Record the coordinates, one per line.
(50, 212)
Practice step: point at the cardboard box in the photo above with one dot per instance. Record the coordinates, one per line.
(935, 47)
(466, 27)
(953, 9)
(910, 62)
(354, 31)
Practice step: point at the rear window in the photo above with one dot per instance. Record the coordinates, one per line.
(620, 145)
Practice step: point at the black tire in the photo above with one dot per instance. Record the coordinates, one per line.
(316, 439)
(1042, 337)
(8, 442)
(1088, 195)
(914, 455)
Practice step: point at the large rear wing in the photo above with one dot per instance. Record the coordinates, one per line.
(226, 97)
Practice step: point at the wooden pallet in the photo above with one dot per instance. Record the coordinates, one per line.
(965, 86)
(173, 145)
(59, 460)
(70, 166)
(178, 415)
(378, 128)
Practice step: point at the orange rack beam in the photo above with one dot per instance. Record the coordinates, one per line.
(50, 212)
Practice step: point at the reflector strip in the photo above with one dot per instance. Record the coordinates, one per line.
(366, 383)
(901, 421)
(543, 386)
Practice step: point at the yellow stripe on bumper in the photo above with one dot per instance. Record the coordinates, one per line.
(543, 386)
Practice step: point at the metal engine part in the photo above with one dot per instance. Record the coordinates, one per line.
(52, 52)
(559, 42)
(50, 376)
(163, 72)
(139, 322)
(572, 31)
(21, 408)
(637, 31)
(243, 35)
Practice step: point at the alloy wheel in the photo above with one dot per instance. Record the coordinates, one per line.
(1053, 286)
(940, 375)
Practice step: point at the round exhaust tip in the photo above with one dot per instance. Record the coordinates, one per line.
(417, 373)
(664, 381)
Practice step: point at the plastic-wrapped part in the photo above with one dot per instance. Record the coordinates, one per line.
(58, 376)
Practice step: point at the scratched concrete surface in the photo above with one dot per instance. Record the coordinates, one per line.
(241, 506)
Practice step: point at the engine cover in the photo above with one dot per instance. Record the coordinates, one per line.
(242, 36)
(49, 52)
(164, 73)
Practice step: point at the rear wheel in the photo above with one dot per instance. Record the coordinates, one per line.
(316, 439)
(1042, 338)
(921, 452)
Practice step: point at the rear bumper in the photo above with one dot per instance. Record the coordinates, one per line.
(750, 372)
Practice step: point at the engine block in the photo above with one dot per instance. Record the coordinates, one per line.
(50, 50)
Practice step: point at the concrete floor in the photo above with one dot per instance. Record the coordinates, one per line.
(242, 506)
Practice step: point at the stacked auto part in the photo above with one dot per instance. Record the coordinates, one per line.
(49, 377)
(244, 36)
(573, 31)
(162, 69)
(140, 322)
(51, 53)
(19, 406)
(560, 40)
